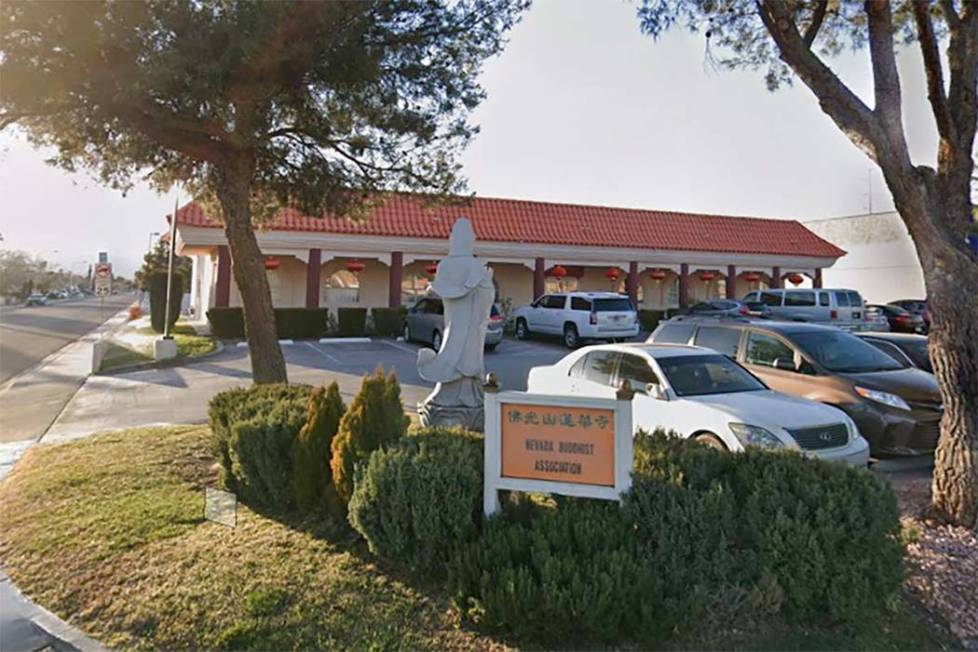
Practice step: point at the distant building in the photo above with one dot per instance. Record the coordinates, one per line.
(662, 259)
(881, 262)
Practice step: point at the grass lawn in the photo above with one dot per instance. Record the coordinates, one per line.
(109, 533)
(189, 345)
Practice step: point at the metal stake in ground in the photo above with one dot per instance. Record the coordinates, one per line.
(169, 271)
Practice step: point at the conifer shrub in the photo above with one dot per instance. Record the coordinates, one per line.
(313, 478)
(421, 497)
(374, 419)
(157, 300)
(279, 408)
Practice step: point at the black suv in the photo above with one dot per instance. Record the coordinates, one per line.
(898, 410)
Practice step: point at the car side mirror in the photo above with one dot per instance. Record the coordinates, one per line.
(655, 390)
(784, 364)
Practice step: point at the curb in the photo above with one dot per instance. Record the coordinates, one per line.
(162, 364)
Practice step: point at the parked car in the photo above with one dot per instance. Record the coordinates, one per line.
(876, 320)
(909, 350)
(915, 307)
(705, 396)
(36, 299)
(900, 320)
(842, 308)
(725, 307)
(578, 316)
(898, 410)
(425, 322)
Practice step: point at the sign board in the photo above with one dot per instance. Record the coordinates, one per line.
(568, 445)
(103, 256)
(103, 288)
(103, 270)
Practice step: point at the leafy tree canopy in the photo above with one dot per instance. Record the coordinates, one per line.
(326, 97)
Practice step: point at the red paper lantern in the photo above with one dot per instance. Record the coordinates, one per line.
(612, 273)
(657, 274)
(271, 262)
(795, 279)
(431, 268)
(355, 266)
(707, 276)
(558, 272)
(752, 277)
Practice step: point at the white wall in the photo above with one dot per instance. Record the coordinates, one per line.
(881, 262)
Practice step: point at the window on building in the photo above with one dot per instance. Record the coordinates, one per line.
(413, 286)
(566, 284)
(341, 288)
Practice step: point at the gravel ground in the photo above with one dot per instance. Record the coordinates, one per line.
(942, 564)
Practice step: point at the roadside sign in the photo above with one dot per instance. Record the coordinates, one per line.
(103, 270)
(103, 256)
(569, 445)
(102, 289)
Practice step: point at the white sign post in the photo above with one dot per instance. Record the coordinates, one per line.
(568, 445)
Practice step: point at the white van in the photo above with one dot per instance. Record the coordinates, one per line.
(842, 308)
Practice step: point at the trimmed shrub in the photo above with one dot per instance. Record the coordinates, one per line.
(375, 418)
(300, 323)
(352, 322)
(312, 477)
(279, 409)
(387, 321)
(227, 323)
(798, 538)
(420, 497)
(157, 300)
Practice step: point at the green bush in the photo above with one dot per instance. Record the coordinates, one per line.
(420, 497)
(300, 323)
(375, 418)
(279, 409)
(802, 539)
(157, 300)
(387, 321)
(352, 322)
(312, 477)
(227, 323)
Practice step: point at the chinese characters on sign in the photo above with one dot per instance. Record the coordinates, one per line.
(558, 443)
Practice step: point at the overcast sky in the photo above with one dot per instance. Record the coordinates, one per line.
(581, 108)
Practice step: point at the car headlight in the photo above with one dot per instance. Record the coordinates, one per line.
(882, 397)
(755, 436)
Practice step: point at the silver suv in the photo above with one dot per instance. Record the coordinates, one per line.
(425, 322)
(577, 316)
(842, 308)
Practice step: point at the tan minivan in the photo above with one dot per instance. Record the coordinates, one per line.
(898, 410)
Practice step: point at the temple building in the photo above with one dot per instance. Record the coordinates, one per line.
(661, 259)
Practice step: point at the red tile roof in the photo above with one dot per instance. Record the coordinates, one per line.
(511, 220)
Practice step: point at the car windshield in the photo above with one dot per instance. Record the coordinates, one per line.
(844, 353)
(616, 305)
(699, 375)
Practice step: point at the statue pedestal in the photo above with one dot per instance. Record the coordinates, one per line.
(457, 403)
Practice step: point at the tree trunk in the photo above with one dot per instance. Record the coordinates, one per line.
(951, 278)
(248, 266)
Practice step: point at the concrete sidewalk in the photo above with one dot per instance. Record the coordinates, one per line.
(33, 400)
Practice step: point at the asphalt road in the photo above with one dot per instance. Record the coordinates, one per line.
(28, 335)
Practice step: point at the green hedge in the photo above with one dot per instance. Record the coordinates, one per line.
(227, 323)
(649, 319)
(420, 497)
(157, 300)
(352, 322)
(779, 534)
(299, 323)
(387, 321)
(253, 430)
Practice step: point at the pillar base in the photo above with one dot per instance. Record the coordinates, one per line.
(164, 349)
(455, 404)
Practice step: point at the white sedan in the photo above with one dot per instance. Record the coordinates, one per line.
(704, 395)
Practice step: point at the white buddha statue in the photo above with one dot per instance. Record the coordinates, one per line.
(465, 286)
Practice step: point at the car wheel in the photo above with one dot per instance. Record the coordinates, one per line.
(406, 333)
(570, 336)
(711, 440)
(491, 347)
(436, 341)
(522, 332)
